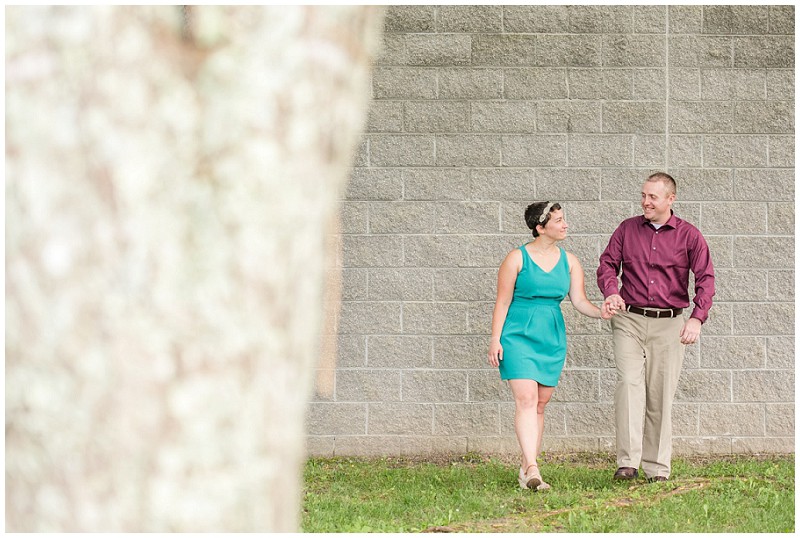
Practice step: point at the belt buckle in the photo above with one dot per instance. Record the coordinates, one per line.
(657, 314)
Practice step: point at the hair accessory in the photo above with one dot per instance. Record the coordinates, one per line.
(546, 212)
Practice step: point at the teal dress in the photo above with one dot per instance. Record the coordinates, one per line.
(534, 337)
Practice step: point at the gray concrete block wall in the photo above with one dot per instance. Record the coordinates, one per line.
(480, 110)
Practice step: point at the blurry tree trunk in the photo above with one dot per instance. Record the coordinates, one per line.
(170, 178)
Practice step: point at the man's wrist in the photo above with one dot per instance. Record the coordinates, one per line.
(699, 315)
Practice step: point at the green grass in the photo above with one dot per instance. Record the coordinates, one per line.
(475, 494)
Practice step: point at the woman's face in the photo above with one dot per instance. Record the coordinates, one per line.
(556, 227)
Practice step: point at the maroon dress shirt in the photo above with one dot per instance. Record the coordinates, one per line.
(655, 265)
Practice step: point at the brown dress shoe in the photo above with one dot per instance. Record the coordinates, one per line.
(657, 479)
(626, 473)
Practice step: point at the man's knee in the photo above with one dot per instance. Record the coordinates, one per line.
(630, 380)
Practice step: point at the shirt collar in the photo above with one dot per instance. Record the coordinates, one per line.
(671, 222)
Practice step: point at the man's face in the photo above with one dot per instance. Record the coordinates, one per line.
(656, 201)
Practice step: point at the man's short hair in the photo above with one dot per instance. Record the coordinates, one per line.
(666, 179)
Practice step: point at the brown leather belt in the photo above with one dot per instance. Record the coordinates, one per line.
(661, 313)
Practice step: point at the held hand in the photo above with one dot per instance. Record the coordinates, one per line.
(495, 353)
(614, 303)
(606, 312)
(691, 331)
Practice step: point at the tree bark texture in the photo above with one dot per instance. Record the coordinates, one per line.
(170, 177)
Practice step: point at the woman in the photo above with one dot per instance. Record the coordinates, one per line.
(529, 340)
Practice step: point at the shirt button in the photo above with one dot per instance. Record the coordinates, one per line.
(652, 282)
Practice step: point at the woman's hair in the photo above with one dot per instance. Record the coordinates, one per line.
(535, 211)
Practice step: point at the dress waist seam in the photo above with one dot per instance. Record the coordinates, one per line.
(554, 303)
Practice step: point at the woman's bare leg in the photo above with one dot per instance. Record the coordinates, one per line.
(545, 393)
(526, 421)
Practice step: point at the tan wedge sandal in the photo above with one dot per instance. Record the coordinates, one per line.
(530, 479)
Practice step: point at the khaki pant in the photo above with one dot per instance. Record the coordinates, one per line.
(649, 356)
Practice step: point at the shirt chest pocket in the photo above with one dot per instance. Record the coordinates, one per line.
(678, 258)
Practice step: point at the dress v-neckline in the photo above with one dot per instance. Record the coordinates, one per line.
(560, 253)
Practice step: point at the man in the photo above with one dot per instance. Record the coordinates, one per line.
(655, 252)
